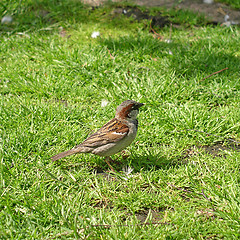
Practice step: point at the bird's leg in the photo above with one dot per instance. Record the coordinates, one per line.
(106, 160)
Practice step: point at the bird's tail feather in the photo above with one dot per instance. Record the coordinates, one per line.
(63, 154)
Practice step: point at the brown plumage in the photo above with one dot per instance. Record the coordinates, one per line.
(113, 137)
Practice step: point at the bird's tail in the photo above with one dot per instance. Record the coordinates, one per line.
(63, 154)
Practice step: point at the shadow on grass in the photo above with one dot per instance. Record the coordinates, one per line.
(29, 15)
(153, 162)
(186, 61)
(139, 163)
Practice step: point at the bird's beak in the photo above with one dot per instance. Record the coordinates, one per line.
(140, 104)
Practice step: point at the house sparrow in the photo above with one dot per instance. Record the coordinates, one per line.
(113, 137)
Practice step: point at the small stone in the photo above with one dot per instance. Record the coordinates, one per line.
(104, 103)
(6, 19)
(95, 34)
(208, 1)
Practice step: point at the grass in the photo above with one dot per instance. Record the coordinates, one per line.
(51, 93)
(232, 3)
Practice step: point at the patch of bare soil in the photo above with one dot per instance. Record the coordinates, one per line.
(142, 216)
(219, 149)
(138, 14)
(215, 12)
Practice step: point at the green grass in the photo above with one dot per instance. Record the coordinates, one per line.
(51, 92)
(232, 3)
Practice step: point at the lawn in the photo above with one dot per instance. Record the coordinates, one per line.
(178, 180)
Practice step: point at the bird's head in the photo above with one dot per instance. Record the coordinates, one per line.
(128, 110)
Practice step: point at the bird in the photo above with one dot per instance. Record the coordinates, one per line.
(112, 137)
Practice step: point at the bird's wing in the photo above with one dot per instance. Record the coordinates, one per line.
(111, 132)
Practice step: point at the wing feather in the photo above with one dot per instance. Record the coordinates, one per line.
(111, 132)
